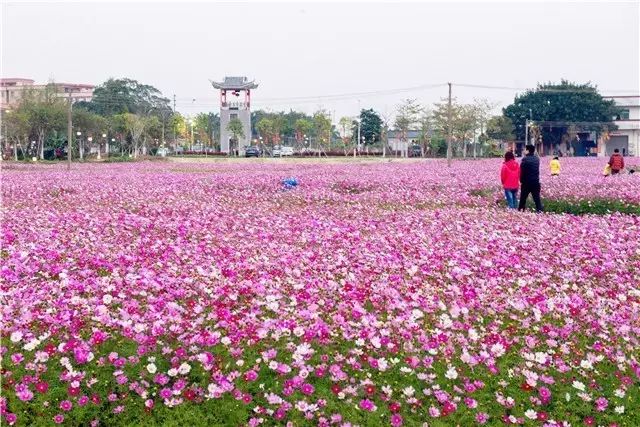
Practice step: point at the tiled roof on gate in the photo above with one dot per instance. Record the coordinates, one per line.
(235, 82)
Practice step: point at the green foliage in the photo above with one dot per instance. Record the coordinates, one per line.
(576, 207)
(117, 96)
(438, 145)
(303, 126)
(235, 127)
(207, 125)
(266, 130)
(590, 207)
(500, 128)
(285, 124)
(564, 101)
(407, 116)
(370, 127)
(322, 127)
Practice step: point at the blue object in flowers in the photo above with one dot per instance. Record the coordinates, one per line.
(289, 183)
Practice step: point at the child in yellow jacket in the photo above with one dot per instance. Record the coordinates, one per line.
(554, 165)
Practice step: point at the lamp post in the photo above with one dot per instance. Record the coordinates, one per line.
(80, 147)
(191, 123)
(104, 136)
(90, 141)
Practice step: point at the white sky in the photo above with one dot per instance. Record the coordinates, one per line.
(311, 49)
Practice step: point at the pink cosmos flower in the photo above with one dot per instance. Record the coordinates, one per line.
(396, 420)
(307, 389)
(601, 404)
(11, 418)
(66, 405)
(58, 419)
(367, 405)
(482, 417)
(251, 376)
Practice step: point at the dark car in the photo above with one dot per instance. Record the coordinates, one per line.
(252, 151)
(415, 151)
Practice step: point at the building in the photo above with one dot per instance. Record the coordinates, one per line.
(233, 106)
(394, 138)
(627, 137)
(12, 90)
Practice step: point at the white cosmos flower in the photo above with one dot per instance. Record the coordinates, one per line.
(451, 373)
(16, 336)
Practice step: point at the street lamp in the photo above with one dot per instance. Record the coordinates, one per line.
(104, 136)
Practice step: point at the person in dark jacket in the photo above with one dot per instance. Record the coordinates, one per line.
(530, 179)
(616, 162)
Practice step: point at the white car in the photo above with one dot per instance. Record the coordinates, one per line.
(277, 151)
(286, 151)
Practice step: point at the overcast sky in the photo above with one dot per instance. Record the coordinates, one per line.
(316, 49)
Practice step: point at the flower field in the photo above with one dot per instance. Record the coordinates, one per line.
(372, 294)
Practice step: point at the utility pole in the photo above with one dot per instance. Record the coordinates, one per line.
(174, 103)
(449, 129)
(69, 133)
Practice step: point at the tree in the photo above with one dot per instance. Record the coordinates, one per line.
(370, 126)
(463, 122)
(45, 112)
(135, 126)
(482, 111)
(117, 96)
(322, 128)
(565, 102)
(90, 125)
(265, 128)
(406, 117)
(500, 128)
(426, 129)
(207, 125)
(345, 128)
(16, 130)
(235, 127)
(303, 127)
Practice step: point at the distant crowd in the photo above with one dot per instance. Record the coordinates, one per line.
(525, 176)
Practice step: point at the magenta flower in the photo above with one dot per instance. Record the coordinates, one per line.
(58, 419)
(66, 405)
(307, 389)
(367, 405)
(11, 418)
(601, 404)
(396, 420)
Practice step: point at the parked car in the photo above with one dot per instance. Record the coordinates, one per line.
(286, 151)
(277, 151)
(252, 151)
(415, 151)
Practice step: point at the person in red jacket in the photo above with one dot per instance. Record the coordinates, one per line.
(510, 177)
(616, 162)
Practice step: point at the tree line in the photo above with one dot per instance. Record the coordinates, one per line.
(136, 119)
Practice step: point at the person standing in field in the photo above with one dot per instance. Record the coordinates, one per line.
(554, 165)
(510, 177)
(616, 161)
(530, 179)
